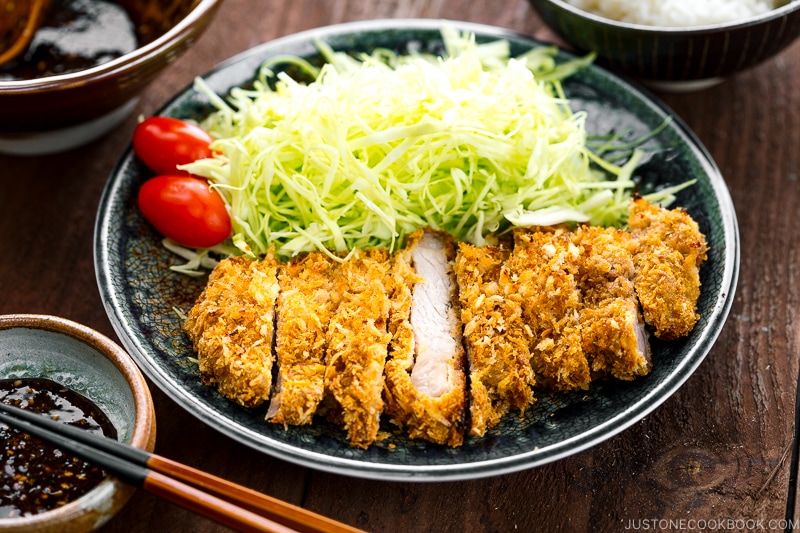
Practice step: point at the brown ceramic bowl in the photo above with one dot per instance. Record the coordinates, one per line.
(94, 366)
(669, 58)
(58, 112)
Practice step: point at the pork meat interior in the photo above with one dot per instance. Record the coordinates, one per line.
(425, 382)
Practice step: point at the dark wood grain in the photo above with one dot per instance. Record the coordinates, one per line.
(715, 451)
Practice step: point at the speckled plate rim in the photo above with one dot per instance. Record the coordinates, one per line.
(139, 348)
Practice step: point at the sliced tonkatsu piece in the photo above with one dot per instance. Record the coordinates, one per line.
(613, 332)
(544, 264)
(425, 382)
(496, 336)
(231, 327)
(304, 308)
(671, 249)
(358, 341)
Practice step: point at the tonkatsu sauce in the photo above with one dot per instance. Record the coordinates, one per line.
(75, 35)
(37, 476)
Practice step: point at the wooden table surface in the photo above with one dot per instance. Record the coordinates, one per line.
(717, 451)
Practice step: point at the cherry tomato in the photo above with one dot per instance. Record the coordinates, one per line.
(162, 143)
(186, 210)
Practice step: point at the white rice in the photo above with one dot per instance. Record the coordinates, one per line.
(677, 12)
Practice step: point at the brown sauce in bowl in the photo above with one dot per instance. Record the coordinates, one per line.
(75, 35)
(37, 476)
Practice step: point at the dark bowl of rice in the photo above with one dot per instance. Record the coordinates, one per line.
(676, 45)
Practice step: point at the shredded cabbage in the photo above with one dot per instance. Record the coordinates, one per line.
(379, 145)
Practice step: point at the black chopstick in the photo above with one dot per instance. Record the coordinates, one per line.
(221, 500)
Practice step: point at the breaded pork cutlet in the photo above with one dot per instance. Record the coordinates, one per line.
(231, 327)
(358, 341)
(671, 249)
(544, 264)
(496, 336)
(425, 382)
(304, 308)
(612, 330)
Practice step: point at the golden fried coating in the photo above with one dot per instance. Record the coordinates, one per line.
(671, 249)
(497, 337)
(430, 406)
(304, 308)
(358, 340)
(544, 265)
(231, 327)
(374, 333)
(614, 336)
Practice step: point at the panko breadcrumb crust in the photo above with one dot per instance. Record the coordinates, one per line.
(358, 340)
(544, 265)
(667, 264)
(550, 309)
(231, 327)
(613, 332)
(305, 305)
(497, 337)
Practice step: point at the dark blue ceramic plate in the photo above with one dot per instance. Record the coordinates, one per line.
(141, 294)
